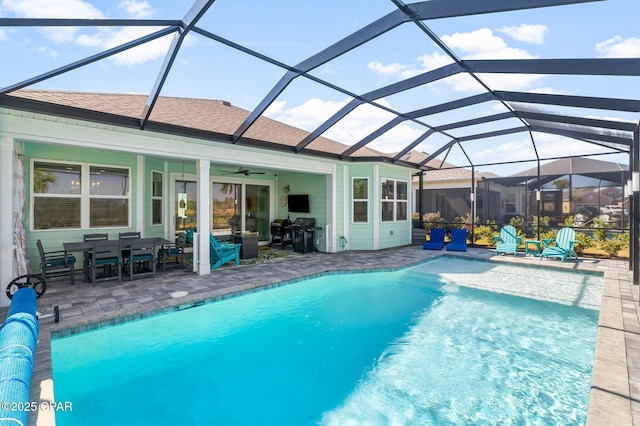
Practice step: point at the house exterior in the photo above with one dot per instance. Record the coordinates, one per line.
(73, 163)
(447, 189)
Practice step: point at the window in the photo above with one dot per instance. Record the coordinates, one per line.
(394, 200)
(510, 203)
(79, 196)
(56, 196)
(156, 198)
(360, 196)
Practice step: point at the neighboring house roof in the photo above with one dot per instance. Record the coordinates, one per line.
(598, 169)
(442, 170)
(209, 119)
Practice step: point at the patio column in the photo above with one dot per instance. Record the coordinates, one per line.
(634, 234)
(6, 217)
(204, 223)
(420, 189)
(473, 205)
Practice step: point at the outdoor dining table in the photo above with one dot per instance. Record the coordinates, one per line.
(77, 246)
(87, 246)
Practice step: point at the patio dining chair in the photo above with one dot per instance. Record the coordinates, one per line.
(141, 257)
(173, 253)
(106, 255)
(57, 263)
(87, 253)
(127, 235)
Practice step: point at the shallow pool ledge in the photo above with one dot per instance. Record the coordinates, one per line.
(614, 398)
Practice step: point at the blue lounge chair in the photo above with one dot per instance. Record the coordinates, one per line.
(458, 240)
(436, 240)
(221, 253)
(508, 240)
(563, 248)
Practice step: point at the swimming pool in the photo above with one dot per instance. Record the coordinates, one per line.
(404, 347)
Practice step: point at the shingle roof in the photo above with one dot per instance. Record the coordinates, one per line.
(206, 115)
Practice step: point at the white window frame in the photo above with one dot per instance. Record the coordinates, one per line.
(157, 198)
(395, 200)
(85, 194)
(360, 200)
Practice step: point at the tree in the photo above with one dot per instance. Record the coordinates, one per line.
(561, 183)
(41, 181)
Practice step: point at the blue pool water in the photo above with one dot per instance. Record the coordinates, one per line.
(408, 347)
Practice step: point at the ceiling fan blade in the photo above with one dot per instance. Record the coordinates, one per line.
(241, 171)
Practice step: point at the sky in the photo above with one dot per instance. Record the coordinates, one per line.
(291, 31)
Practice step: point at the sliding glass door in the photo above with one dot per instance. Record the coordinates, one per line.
(226, 204)
(240, 207)
(257, 212)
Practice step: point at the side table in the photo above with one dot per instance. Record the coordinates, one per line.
(533, 252)
(249, 241)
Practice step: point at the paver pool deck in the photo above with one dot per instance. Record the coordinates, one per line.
(615, 388)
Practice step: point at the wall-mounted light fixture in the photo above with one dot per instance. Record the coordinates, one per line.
(635, 182)
(473, 196)
(537, 195)
(286, 189)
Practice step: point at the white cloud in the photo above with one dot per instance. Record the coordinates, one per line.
(479, 44)
(110, 39)
(136, 9)
(3, 35)
(391, 69)
(101, 38)
(354, 127)
(308, 115)
(51, 9)
(533, 34)
(47, 51)
(483, 44)
(617, 47)
(275, 109)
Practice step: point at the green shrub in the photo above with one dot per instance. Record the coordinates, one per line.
(465, 221)
(569, 221)
(615, 244)
(600, 230)
(516, 221)
(548, 233)
(486, 232)
(583, 242)
(415, 219)
(433, 220)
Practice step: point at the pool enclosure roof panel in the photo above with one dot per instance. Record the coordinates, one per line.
(367, 80)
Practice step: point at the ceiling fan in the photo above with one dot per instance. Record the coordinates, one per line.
(243, 171)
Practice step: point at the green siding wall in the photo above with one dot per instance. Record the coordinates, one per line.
(52, 239)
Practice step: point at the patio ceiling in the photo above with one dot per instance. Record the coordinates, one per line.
(589, 115)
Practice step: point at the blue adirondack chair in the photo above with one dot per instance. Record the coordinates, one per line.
(221, 253)
(458, 240)
(508, 240)
(436, 241)
(563, 248)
